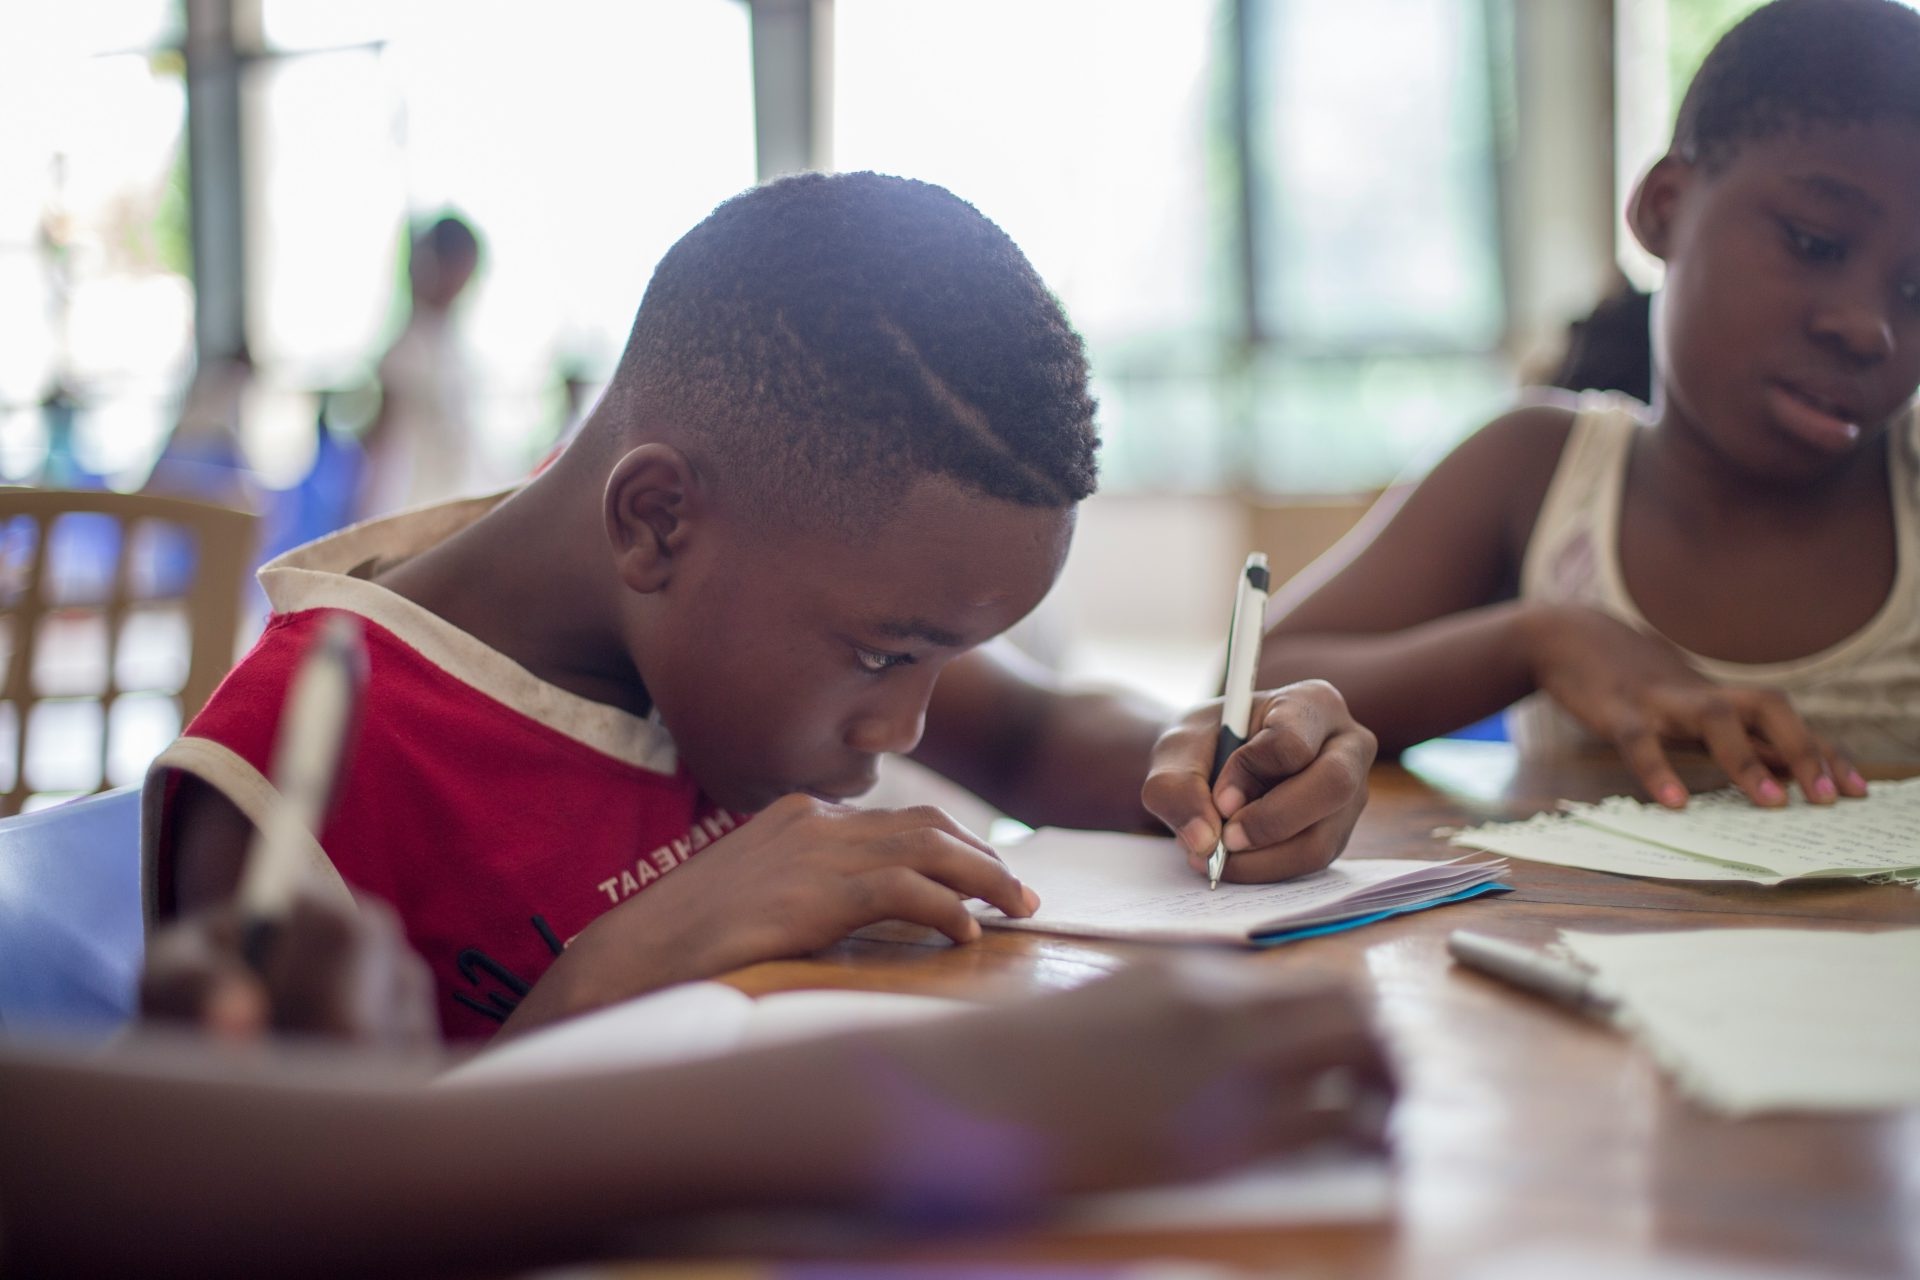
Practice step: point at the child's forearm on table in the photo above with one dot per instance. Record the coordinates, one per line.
(1410, 685)
(218, 1169)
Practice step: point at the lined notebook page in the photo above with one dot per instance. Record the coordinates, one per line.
(1099, 884)
(1722, 836)
(1880, 833)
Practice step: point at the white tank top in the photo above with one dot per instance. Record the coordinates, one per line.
(1863, 692)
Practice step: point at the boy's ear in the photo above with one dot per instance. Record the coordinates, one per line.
(1656, 203)
(652, 494)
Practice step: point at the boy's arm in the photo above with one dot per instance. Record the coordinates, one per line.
(278, 1165)
(1001, 726)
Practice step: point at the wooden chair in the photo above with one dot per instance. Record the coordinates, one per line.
(76, 569)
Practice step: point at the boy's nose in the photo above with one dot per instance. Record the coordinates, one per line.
(893, 726)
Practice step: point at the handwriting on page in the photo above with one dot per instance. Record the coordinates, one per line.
(1097, 899)
(1100, 883)
(1881, 833)
(1555, 839)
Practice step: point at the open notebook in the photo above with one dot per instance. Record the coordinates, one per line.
(1097, 884)
(702, 1019)
(1723, 836)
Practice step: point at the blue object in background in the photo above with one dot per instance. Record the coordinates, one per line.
(71, 937)
(1492, 729)
(325, 499)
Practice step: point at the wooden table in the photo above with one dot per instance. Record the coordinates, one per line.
(1518, 1122)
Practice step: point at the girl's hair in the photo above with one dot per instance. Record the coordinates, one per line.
(1799, 62)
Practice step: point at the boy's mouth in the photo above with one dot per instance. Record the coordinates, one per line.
(1823, 421)
(841, 791)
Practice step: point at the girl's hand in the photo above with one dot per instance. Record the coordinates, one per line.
(1288, 798)
(1635, 691)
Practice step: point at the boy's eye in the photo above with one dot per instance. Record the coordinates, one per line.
(875, 661)
(1814, 248)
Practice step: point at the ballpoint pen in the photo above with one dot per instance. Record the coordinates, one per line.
(1243, 661)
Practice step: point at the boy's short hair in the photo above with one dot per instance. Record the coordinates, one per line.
(1796, 62)
(831, 338)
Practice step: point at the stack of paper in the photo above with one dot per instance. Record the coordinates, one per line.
(1723, 836)
(1755, 1020)
(1100, 885)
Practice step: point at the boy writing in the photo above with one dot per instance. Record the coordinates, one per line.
(841, 451)
(1738, 567)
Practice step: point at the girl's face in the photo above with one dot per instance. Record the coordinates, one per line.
(1789, 325)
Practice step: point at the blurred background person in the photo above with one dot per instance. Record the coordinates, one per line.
(420, 446)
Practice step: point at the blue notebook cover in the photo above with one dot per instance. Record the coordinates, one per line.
(1340, 926)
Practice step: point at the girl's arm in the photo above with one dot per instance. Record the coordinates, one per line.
(1412, 616)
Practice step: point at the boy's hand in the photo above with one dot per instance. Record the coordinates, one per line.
(325, 970)
(802, 875)
(1289, 797)
(1635, 691)
(1160, 1073)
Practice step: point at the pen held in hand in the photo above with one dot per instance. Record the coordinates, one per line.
(308, 750)
(1243, 663)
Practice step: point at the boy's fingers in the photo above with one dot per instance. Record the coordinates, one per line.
(1325, 785)
(1286, 739)
(877, 823)
(1311, 850)
(1178, 795)
(895, 893)
(1640, 747)
(964, 869)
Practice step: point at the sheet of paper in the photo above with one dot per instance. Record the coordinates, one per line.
(1752, 1020)
(694, 1020)
(1555, 838)
(1098, 884)
(1322, 1187)
(1878, 834)
(796, 1015)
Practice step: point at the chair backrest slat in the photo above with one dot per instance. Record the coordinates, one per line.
(223, 541)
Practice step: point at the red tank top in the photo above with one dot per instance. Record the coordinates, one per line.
(496, 837)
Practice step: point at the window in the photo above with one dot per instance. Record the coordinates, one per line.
(580, 140)
(96, 308)
(1284, 257)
